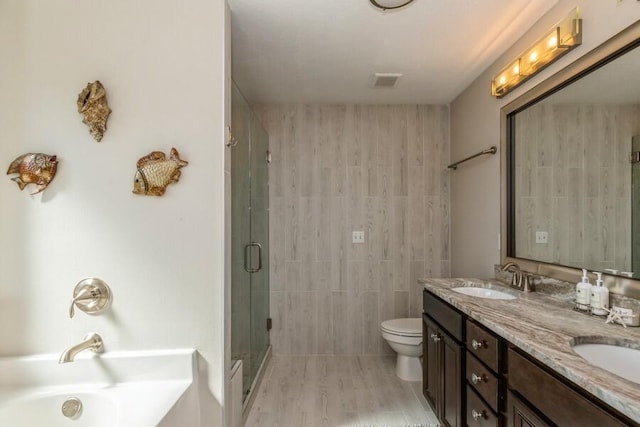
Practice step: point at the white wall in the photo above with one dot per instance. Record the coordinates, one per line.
(163, 68)
(475, 125)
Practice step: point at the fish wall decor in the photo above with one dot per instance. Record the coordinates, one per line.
(92, 104)
(34, 168)
(155, 172)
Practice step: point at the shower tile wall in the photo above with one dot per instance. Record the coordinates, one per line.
(580, 170)
(343, 168)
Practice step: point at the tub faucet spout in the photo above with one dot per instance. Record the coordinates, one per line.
(91, 342)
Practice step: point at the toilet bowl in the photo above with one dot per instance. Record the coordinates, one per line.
(404, 336)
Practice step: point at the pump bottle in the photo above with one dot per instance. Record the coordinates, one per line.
(583, 292)
(599, 297)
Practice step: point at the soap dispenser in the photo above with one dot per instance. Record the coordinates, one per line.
(599, 297)
(583, 292)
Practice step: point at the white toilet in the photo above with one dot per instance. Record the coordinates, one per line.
(405, 338)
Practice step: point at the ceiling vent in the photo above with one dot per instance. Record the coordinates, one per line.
(385, 80)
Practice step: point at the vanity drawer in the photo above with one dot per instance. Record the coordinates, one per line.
(448, 317)
(478, 413)
(560, 403)
(485, 382)
(484, 345)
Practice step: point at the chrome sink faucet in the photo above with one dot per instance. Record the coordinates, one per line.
(91, 342)
(519, 279)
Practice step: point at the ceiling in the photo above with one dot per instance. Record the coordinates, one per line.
(326, 51)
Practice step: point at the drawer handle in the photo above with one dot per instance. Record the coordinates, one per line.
(478, 378)
(478, 415)
(435, 338)
(478, 344)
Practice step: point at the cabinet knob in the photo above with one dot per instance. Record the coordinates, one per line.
(477, 344)
(478, 378)
(478, 415)
(435, 337)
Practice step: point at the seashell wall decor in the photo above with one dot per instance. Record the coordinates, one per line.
(34, 168)
(155, 172)
(92, 104)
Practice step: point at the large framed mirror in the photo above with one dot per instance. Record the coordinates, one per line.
(571, 169)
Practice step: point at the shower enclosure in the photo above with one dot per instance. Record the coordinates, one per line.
(249, 240)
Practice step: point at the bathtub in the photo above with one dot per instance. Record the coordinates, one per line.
(119, 389)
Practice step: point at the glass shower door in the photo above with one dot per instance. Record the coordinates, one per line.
(259, 235)
(249, 240)
(240, 235)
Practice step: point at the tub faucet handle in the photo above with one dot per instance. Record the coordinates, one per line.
(81, 296)
(91, 295)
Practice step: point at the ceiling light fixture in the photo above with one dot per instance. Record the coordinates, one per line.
(559, 40)
(390, 4)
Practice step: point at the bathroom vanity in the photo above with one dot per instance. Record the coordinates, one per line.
(510, 363)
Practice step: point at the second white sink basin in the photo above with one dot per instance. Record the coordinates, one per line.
(622, 361)
(483, 293)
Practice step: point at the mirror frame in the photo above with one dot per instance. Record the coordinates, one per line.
(618, 45)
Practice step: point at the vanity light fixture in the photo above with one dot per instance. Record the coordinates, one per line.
(390, 4)
(559, 40)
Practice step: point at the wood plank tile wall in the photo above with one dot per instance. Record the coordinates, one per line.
(380, 169)
(574, 182)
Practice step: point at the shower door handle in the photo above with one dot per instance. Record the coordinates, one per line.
(247, 250)
(259, 246)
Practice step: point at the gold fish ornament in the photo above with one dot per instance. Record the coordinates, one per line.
(34, 168)
(155, 172)
(92, 104)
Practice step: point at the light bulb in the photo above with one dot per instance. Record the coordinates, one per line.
(553, 42)
(503, 80)
(533, 57)
(516, 69)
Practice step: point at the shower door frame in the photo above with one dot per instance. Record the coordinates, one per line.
(249, 240)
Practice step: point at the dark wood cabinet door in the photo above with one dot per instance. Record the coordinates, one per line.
(431, 369)
(559, 402)
(452, 364)
(520, 415)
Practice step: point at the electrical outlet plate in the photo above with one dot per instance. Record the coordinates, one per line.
(357, 237)
(542, 237)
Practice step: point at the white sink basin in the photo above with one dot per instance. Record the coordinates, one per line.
(483, 293)
(622, 361)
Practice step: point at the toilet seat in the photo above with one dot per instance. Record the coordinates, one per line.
(403, 327)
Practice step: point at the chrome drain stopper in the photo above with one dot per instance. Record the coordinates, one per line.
(72, 407)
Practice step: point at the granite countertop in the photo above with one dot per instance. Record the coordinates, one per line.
(545, 326)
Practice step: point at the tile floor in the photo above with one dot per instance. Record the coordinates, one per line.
(337, 391)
